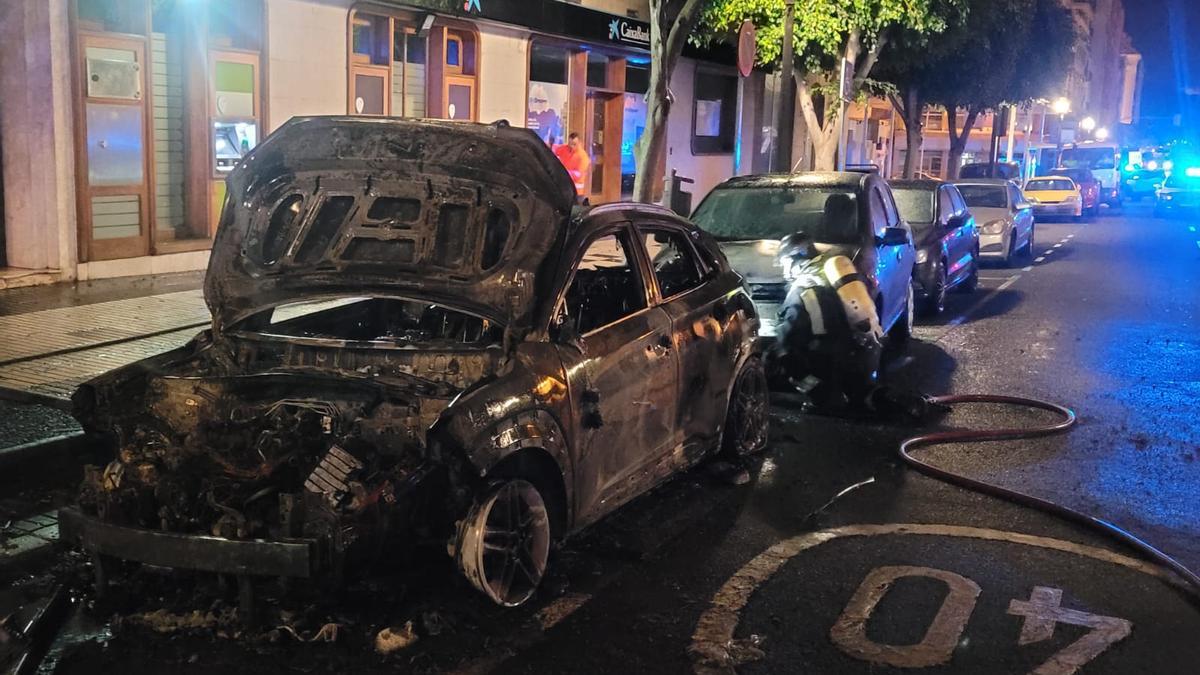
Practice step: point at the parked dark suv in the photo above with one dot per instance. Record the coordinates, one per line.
(947, 240)
(417, 338)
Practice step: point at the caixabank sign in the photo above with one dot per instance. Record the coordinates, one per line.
(545, 16)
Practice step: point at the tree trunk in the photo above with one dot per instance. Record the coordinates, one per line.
(667, 37)
(958, 140)
(912, 111)
(822, 137)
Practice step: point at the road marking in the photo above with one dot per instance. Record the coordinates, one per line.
(1011, 280)
(1048, 251)
(1071, 236)
(1042, 613)
(1058, 245)
(713, 637)
(1027, 268)
(849, 632)
(1040, 258)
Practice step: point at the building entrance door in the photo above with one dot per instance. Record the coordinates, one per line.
(114, 209)
(604, 145)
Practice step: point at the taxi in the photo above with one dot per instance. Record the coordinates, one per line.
(1054, 196)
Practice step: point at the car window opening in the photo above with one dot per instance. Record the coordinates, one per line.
(825, 215)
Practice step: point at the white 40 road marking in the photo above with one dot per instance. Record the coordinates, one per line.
(1042, 612)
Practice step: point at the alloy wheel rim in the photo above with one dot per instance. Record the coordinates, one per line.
(513, 543)
(750, 410)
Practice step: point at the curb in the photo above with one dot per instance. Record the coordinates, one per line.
(42, 452)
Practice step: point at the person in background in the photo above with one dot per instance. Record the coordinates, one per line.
(577, 162)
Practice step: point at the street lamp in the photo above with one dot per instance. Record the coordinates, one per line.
(1061, 106)
(1088, 123)
(1102, 134)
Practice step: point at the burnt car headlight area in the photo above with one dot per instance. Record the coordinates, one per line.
(321, 444)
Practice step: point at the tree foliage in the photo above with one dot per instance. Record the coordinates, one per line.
(825, 32)
(998, 52)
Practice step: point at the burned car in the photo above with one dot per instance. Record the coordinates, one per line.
(418, 338)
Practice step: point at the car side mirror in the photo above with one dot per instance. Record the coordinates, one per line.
(894, 236)
(565, 332)
(956, 221)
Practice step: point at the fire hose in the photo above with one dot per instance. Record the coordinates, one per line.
(1066, 422)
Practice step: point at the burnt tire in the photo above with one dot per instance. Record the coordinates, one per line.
(503, 544)
(748, 419)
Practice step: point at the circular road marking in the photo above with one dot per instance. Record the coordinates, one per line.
(710, 646)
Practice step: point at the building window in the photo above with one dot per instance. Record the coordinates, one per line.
(714, 112)
(931, 165)
(935, 120)
(597, 70)
(548, 103)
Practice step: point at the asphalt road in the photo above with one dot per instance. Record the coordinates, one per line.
(784, 575)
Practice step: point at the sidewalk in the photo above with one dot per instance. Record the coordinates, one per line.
(52, 339)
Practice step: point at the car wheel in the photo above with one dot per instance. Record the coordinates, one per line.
(1012, 250)
(935, 303)
(1028, 250)
(971, 282)
(748, 421)
(903, 328)
(504, 542)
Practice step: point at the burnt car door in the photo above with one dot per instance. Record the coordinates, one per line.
(617, 350)
(699, 313)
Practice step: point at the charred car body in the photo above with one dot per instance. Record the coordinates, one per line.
(415, 338)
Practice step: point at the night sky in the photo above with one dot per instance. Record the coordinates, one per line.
(1149, 23)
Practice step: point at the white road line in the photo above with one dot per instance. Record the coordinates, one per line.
(1059, 245)
(1071, 236)
(1027, 268)
(1040, 258)
(1011, 280)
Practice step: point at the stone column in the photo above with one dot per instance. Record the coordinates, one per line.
(36, 124)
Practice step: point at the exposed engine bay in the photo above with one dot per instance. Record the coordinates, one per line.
(313, 438)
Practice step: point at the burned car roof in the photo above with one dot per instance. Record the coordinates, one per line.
(455, 213)
(846, 179)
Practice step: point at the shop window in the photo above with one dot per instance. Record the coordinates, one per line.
(369, 39)
(371, 67)
(633, 122)
(112, 16)
(409, 72)
(549, 95)
(597, 70)
(460, 51)
(232, 24)
(714, 113)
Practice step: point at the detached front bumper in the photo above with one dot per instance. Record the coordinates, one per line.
(301, 558)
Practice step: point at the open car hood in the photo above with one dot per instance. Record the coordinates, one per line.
(454, 213)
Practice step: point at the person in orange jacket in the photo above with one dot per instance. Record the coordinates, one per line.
(577, 162)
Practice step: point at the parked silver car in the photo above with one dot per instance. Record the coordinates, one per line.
(1004, 215)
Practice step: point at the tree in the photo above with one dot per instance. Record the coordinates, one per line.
(671, 22)
(1006, 52)
(909, 66)
(826, 33)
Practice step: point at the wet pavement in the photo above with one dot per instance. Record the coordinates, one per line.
(901, 572)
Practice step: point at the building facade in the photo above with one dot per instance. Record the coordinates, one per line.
(121, 118)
